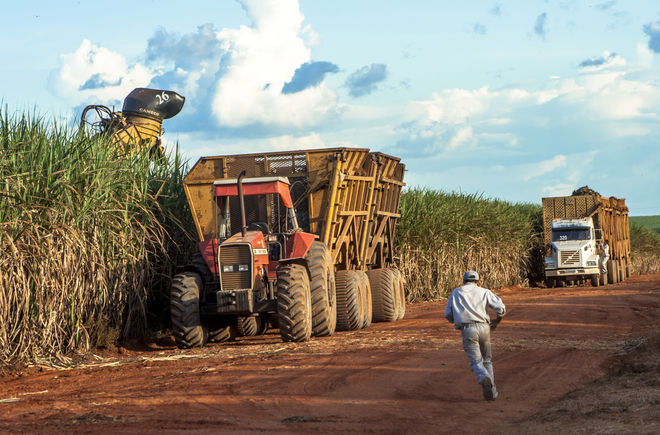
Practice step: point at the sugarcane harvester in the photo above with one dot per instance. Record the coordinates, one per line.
(139, 124)
(300, 240)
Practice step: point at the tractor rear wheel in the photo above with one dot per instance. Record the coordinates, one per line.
(323, 290)
(401, 295)
(350, 308)
(367, 302)
(184, 310)
(382, 293)
(294, 303)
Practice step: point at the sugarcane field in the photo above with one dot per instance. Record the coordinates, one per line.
(226, 232)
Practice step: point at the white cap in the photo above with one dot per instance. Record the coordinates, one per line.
(470, 276)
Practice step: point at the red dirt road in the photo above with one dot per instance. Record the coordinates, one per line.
(410, 376)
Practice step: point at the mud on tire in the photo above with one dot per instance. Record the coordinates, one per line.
(400, 295)
(184, 310)
(383, 295)
(294, 303)
(350, 308)
(323, 290)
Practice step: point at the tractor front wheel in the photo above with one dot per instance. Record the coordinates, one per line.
(184, 310)
(294, 303)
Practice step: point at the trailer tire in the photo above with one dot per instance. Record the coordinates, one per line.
(323, 290)
(612, 272)
(246, 326)
(382, 294)
(184, 310)
(367, 300)
(401, 308)
(350, 307)
(294, 303)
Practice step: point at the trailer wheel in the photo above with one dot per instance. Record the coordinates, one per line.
(184, 310)
(595, 280)
(612, 272)
(401, 294)
(323, 290)
(367, 300)
(349, 300)
(246, 326)
(294, 303)
(383, 296)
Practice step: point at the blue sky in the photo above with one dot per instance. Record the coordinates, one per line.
(512, 99)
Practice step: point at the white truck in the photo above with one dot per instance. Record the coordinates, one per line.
(574, 226)
(574, 253)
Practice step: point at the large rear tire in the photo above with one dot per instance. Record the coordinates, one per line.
(184, 310)
(401, 296)
(350, 307)
(323, 290)
(382, 294)
(294, 303)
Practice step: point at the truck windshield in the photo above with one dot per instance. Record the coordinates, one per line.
(571, 234)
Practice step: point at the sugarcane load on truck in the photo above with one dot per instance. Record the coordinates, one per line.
(587, 239)
(301, 240)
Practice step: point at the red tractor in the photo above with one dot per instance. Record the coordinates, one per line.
(269, 273)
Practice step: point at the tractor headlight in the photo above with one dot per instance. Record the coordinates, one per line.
(228, 268)
(243, 268)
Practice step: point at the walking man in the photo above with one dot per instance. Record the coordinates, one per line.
(467, 309)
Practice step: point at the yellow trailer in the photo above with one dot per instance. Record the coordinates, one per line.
(347, 197)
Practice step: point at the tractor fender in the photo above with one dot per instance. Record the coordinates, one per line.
(296, 260)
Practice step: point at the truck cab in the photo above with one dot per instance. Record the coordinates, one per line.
(573, 251)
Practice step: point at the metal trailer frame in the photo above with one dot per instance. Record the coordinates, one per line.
(610, 215)
(349, 197)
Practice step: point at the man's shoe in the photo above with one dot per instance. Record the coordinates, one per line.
(487, 386)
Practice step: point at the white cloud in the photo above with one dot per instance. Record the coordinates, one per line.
(562, 189)
(258, 61)
(93, 72)
(542, 168)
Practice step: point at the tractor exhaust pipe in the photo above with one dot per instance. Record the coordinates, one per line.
(241, 200)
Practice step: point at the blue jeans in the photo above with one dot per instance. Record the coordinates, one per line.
(476, 343)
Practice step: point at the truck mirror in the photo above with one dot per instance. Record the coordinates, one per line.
(599, 235)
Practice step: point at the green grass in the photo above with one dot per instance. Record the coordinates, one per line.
(650, 222)
(441, 235)
(88, 237)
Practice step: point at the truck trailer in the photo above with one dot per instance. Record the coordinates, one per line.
(575, 230)
(299, 240)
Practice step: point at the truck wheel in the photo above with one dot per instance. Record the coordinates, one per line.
(612, 273)
(323, 290)
(184, 310)
(382, 294)
(246, 326)
(349, 300)
(367, 300)
(594, 280)
(401, 308)
(294, 303)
